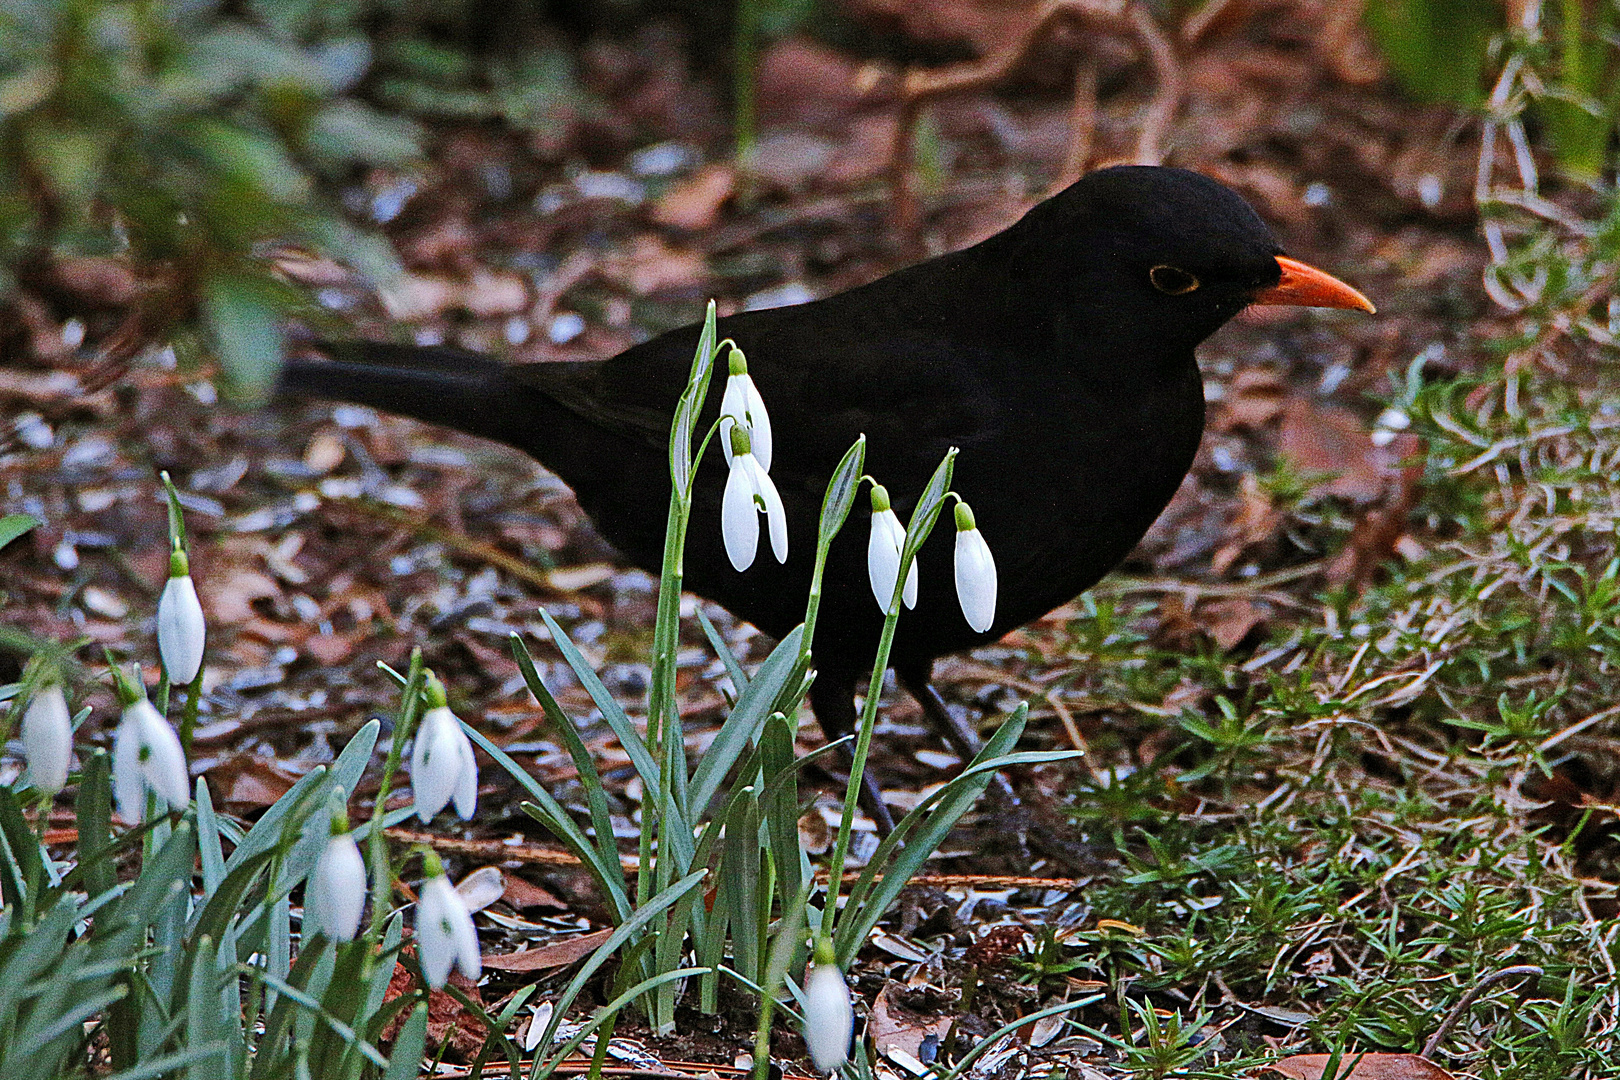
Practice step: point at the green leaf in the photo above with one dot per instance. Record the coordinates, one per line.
(758, 700)
(245, 326)
(841, 491)
(15, 525)
(405, 1062)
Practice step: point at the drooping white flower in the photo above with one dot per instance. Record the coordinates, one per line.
(749, 493)
(336, 893)
(47, 735)
(975, 572)
(147, 757)
(742, 403)
(883, 549)
(442, 764)
(829, 1015)
(181, 629)
(445, 935)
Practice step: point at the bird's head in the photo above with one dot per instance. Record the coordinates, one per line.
(1171, 248)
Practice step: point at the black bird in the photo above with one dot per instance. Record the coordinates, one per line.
(1057, 354)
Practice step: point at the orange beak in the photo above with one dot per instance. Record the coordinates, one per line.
(1306, 286)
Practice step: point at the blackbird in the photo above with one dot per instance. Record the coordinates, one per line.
(1057, 355)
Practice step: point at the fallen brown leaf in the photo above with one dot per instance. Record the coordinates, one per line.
(695, 202)
(557, 954)
(1366, 1067)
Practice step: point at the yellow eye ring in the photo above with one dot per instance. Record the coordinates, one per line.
(1172, 280)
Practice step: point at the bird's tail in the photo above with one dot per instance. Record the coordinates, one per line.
(456, 389)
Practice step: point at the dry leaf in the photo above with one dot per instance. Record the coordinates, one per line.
(1366, 1067)
(695, 202)
(557, 954)
(894, 1028)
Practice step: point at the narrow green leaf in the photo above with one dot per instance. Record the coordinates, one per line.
(15, 525)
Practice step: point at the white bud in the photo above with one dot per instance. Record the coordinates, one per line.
(975, 573)
(47, 735)
(443, 767)
(181, 630)
(883, 550)
(147, 757)
(445, 935)
(743, 404)
(336, 893)
(829, 1017)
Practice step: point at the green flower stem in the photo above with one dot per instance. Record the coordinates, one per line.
(863, 744)
(188, 718)
(382, 878)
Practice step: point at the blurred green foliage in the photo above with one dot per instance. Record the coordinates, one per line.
(1446, 50)
(182, 139)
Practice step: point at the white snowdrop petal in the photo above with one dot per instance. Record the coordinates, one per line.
(445, 935)
(181, 630)
(732, 404)
(759, 423)
(739, 522)
(883, 559)
(975, 579)
(775, 515)
(466, 797)
(883, 556)
(163, 762)
(829, 1017)
(129, 790)
(336, 894)
(47, 735)
(435, 762)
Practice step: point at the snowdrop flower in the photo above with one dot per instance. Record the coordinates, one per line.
(445, 935)
(746, 408)
(883, 552)
(336, 893)
(180, 627)
(442, 765)
(146, 757)
(829, 1016)
(975, 572)
(749, 493)
(47, 735)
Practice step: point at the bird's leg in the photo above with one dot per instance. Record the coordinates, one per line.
(963, 739)
(832, 696)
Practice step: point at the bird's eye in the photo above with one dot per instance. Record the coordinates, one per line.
(1172, 280)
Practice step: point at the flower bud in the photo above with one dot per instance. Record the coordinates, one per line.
(445, 935)
(744, 405)
(336, 893)
(47, 735)
(829, 1015)
(442, 764)
(147, 757)
(181, 629)
(975, 572)
(883, 551)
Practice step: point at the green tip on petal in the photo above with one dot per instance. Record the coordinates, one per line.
(433, 691)
(880, 499)
(740, 442)
(179, 565)
(737, 363)
(964, 517)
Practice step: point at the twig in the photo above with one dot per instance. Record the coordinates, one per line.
(920, 86)
(1530, 971)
